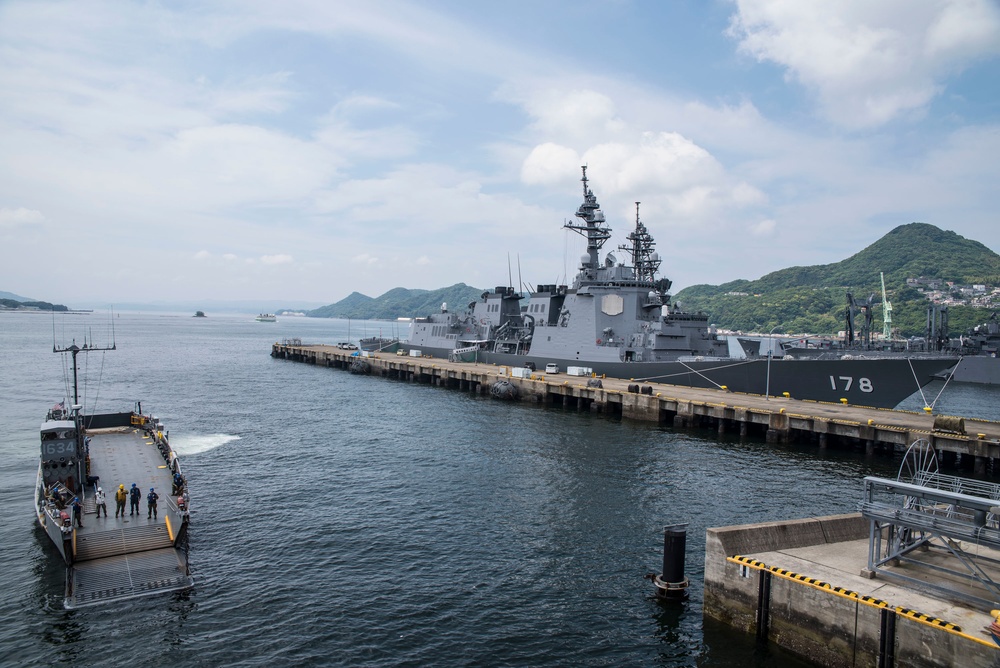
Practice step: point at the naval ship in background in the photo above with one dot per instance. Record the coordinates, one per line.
(974, 353)
(616, 320)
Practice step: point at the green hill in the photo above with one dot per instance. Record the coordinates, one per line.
(41, 306)
(813, 299)
(398, 303)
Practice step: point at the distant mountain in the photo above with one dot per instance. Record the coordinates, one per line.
(9, 300)
(398, 303)
(813, 299)
(17, 298)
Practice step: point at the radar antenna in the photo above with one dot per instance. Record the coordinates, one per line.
(644, 259)
(75, 350)
(594, 228)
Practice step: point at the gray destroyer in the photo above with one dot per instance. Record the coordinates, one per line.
(83, 457)
(616, 319)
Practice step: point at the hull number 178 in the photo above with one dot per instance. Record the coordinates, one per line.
(845, 383)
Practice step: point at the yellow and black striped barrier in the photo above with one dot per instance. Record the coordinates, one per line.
(870, 601)
(928, 620)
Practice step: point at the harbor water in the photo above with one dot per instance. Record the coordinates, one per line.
(358, 521)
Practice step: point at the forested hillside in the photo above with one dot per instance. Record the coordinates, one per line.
(813, 299)
(399, 303)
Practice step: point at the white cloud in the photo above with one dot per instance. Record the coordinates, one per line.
(281, 258)
(675, 178)
(573, 114)
(549, 163)
(202, 255)
(764, 228)
(20, 217)
(869, 62)
(267, 93)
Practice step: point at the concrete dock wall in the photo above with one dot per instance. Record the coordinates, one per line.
(823, 621)
(772, 418)
(733, 599)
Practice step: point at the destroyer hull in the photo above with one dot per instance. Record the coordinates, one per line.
(982, 369)
(879, 383)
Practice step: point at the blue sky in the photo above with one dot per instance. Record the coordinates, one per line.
(304, 150)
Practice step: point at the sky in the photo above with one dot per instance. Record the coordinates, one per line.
(308, 149)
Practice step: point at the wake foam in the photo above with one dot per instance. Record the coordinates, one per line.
(193, 445)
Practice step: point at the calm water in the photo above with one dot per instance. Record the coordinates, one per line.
(344, 520)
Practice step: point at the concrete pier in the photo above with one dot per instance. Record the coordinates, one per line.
(775, 419)
(802, 584)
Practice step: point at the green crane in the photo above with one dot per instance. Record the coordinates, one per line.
(886, 313)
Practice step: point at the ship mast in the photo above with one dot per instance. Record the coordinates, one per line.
(644, 259)
(75, 350)
(594, 229)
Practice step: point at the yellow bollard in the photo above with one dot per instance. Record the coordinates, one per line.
(843, 401)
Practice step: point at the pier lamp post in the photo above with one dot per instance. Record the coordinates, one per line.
(770, 352)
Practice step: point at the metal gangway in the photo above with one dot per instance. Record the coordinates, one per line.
(933, 530)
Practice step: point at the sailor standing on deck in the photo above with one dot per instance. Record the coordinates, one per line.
(78, 511)
(133, 500)
(121, 496)
(101, 504)
(151, 499)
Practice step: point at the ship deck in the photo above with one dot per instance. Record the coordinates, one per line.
(122, 456)
(132, 555)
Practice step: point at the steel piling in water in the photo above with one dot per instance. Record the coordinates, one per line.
(671, 584)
